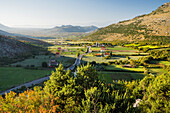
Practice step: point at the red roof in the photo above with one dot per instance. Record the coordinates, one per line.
(59, 48)
(103, 48)
(57, 53)
(107, 53)
(98, 54)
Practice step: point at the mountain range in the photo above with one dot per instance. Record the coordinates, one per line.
(152, 26)
(70, 28)
(58, 31)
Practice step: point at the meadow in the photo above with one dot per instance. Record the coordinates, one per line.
(14, 76)
(160, 62)
(114, 48)
(90, 58)
(68, 55)
(110, 76)
(157, 71)
(120, 68)
(66, 60)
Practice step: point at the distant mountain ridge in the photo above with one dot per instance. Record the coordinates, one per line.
(155, 25)
(3, 27)
(71, 28)
(58, 31)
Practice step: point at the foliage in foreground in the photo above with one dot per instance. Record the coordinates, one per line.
(65, 92)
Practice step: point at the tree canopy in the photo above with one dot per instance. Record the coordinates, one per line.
(85, 93)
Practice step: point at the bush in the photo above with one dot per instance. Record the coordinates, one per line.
(93, 62)
(22, 88)
(18, 65)
(128, 57)
(77, 54)
(44, 64)
(107, 57)
(32, 66)
(108, 63)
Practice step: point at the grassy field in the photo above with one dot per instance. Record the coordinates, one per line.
(120, 48)
(101, 59)
(162, 49)
(110, 76)
(132, 45)
(12, 76)
(165, 62)
(119, 67)
(149, 46)
(127, 53)
(157, 71)
(66, 47)
(161, 62)
(90, 58)
(67, 50)
(114, 48)
(146, 46)
(78, 42)
(135, 57)
(37, 61)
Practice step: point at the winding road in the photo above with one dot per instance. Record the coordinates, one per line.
(40, 80)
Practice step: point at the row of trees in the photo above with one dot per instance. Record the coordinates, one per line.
(84, 92)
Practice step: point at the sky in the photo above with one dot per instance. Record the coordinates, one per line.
(50, 13)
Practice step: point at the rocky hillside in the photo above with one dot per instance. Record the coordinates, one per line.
(10, 47)
(153, 26)
(33, 41)
(25, 39)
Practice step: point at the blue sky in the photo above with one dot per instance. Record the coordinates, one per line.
(50, 13)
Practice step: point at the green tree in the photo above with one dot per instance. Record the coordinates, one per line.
(44, 64)
(110, 53)
(157, 96)
(86, 76)
(77, 54)
(62, 85)
(92, 103)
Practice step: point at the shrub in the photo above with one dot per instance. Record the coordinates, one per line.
(93, 62)
(32, 66)
(18, 65)
(108, 63)
(44, 64)
(23, 88)
(77, 54)
(107, 57)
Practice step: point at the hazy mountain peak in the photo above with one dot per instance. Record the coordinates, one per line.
(3, 27)
(71, 28)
